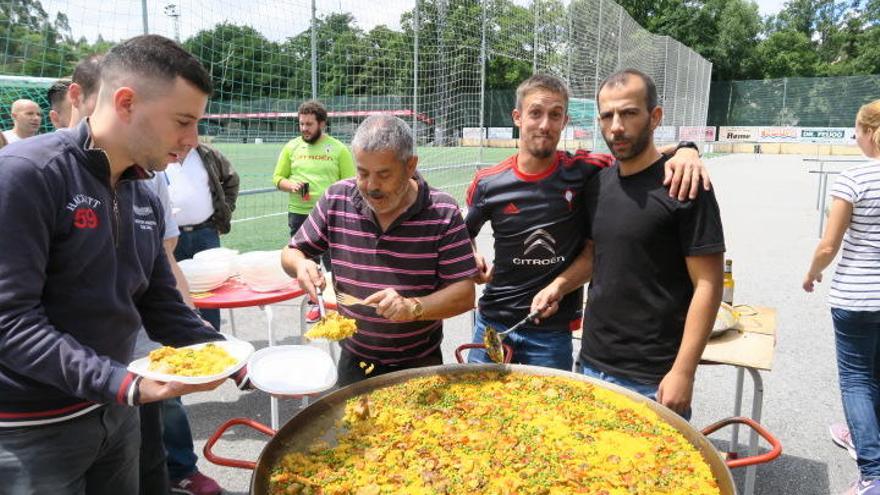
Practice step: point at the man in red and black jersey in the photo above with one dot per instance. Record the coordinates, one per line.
(534, 201)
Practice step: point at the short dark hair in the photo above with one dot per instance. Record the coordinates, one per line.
(545, 82)
(88, 74)
(57, 93)
(621, 76)
(154, 56)
(313, 107)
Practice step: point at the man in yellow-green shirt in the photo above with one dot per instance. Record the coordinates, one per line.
(309, 164)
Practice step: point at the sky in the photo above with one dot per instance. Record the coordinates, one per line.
(767, 7)
(277, 19)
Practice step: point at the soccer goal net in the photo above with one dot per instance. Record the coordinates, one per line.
(447, 67)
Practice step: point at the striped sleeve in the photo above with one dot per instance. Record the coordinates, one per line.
(846, 188)
(311, 238)
(128, 392)
(456, 255)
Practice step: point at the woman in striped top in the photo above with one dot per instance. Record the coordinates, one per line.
(854, 296)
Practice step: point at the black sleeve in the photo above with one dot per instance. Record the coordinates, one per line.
(476, 213)
(699, 225)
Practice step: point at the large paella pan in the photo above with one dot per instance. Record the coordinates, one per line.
(365, 426)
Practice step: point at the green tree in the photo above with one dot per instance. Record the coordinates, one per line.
(725, 32)
(787, 53)
(733, 50)
(387, 63)
(237, 58)
(33, 44)
(867, 53)
(509, 38)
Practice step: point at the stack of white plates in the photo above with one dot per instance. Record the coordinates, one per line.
(292, 370)
(219, 255)
(261, 271)
(204, 275)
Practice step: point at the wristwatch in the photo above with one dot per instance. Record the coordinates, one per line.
(416, 309)
(687, 144)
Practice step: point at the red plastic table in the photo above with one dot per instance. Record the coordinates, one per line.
(235, 294)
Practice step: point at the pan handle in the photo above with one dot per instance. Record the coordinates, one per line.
(508, 351)
(775, 444)
(235, 463)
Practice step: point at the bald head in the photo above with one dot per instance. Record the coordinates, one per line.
(26, 117)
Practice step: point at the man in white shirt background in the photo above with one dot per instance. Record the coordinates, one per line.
(26, 119)
(204, 188)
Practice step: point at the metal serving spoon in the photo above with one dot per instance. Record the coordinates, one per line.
(492, 338)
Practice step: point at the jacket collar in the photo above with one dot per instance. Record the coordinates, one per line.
(96, 160)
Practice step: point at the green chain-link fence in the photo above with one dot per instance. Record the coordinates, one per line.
(793, 101)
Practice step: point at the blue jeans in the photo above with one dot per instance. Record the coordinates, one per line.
(190, 243)
(96, 453)
(177, 437)
(549, 347)
(857, 338)
(649, 390)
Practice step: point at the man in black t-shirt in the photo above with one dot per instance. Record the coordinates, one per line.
(656, 264)
(534, 202)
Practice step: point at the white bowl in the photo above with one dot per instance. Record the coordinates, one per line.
(202, 272)
(219, 255)
(262, 271)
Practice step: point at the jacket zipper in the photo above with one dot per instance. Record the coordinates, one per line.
(115, 218)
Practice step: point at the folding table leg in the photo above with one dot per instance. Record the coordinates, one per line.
(273, 401)
(737, 409)
(757, 405)
(232, 321)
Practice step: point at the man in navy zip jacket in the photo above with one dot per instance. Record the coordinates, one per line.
(82, 267)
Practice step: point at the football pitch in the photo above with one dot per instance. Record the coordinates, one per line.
(260, 219)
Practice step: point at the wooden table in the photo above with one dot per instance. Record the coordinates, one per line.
(750, 348)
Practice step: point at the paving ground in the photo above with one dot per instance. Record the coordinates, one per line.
(770, 222)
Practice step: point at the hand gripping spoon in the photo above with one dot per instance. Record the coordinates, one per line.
(492, 338)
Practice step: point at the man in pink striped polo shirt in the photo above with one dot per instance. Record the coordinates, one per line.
(395, 242)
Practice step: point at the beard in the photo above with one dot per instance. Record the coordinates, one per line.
(637, 144)
(311, 140)
(540, 152)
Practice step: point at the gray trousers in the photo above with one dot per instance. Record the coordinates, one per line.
(95, 454)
